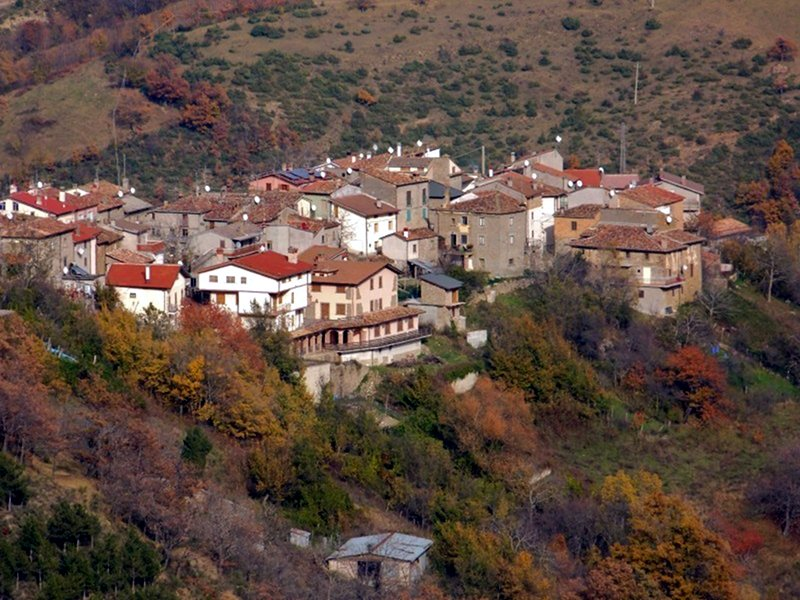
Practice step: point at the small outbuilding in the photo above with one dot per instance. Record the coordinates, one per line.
(383, 560)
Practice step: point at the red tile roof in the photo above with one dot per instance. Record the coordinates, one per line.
(155, 246)
(129, 256)
(582, 211)
(618, 181)
(85, 232)
(48, 200)
(364, 205)
(681, 181)
(650, 195)
(323, 186)
(525, 185)
(369, 319)
(308, 224)
(161, 277)
(379, 161)
(681, 236)
(108, 237)
(623, 237)
(589, 177)
(397, 178)
(490, 202)
(268, 263)
(314, 254)
(727, 227)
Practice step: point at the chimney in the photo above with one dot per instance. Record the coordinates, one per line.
(12, 189)
(126, 184)
(283, 166)
(513, 157)
(352, 158)
(491, 172)
(378, 204)
(405, 232)
(147, 272)
(291, 255)
(62, 196)
(447, 194)
(399, 149)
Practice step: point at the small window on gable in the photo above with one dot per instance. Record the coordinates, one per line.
(242, 279)
(230, 279)
(213, 278)
(132, 295)
(641, 293)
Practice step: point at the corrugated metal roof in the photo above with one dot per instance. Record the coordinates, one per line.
(443, 281)
(397, 546)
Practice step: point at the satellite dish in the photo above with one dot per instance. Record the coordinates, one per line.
(374, 147)
(120, 194)
(323, 173)
(39, 184)
(349, 171)
(133, 190)
(391, 150)
(257, 199)
(419, 143)
(369, 154)
(570, 184)
(558, 139)
(534, 176)
(685, 268)
(245, 216)
(180, 263)
(328, 160)
(669, 219)
(80, 251)
(262, 248)
(313, 208)
(602, 170)
(527, 163)
(612, 193)
(207, 188)
(65, 270)
(579, 183)
(10, 216)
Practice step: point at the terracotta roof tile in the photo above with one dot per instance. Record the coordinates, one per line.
(525, 185)
(268, 263)
(161, 277)
(370, 319)
(489, 202)
(727, 227)
(27, 227)
(48, 200)
(108, 237)
(394, 177)
(314, 254)
(323, 186)
(379, 161)
(582, 211)
(129, 256)
(85, 232)
(308, 224)
(680, 180)
(623, 237)
(346, 272)
(681, 236)
(589, 177)
(418, 233)
(650, 195)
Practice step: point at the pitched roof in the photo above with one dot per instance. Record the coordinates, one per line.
(582, 211)
(681, 236)
(437, 190)
(618, 181)
(355, 162)
(268, 263)
(129, 256)
(393, 177)
(397, 546)
(28, 227)
(417, 233)
(48, 200)
(625, 237)
(589, 177)
(154, 246)
(84, 232)
(525, 185)
(107, 203)
(681, 181)
(161, 277)
(131, 226)
(327, 185)
(309, 224)
(650, 195)
(240, 230)
(364, 205)
(313, 254)
(727, 227)
(108, 237)
(442, 281)
(542, 168)
(270, 206)
(409, 162)
(488, 202)
(347, 272)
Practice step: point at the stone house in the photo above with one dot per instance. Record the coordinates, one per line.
(485, 232)
(40, 244)
(665, 268)
(439, 298)
(691, 191)
(411, 246)
(408, 192)
(652, 197)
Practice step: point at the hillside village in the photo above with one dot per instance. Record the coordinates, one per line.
(323, 251)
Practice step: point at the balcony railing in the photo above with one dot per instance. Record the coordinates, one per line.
(382, 342)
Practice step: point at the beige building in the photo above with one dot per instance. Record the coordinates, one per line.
(411, 246)
(484, 232)
(347, 288)
(571, 223)
(665, 267)
(41, 245)
(439, 298)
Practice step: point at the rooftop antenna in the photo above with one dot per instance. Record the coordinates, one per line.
(623, 158)
(391, 150)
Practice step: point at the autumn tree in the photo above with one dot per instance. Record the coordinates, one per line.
(164, 83)
(668, 552)
(783, 50)
(696, 382)
(772, 200)
(205, 106)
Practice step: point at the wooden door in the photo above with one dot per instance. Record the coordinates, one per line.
(325, 309)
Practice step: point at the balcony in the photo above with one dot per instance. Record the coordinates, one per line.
(658, 277)
(382, 342)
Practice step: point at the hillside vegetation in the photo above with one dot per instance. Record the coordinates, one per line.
(306, 82)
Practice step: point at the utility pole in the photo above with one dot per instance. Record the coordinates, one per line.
(483, 160)
(623, 158)
(636, 87)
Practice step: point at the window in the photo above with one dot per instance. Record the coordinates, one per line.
(184, 232)
(510, 221)
(408, 198)
(387, 329)
(464, 220)
(463, 240)
(453, 240)
(315, 287)
(285, 187)
(647, 256)
(510, 262)
(213, 278)
(408, 215)
(414, 248)
(222, 243)
(400, 325)
(375, 227)
(372, 284)
(341, 309)
(481, 240)
(380, 282)
(132, 295)
(424, 213)
(483, 263)
(340, 289)
(424, 196)
(511, 240)
(15, 206)
(574, 225)
(268, 187)
(242, 279)
(323, 239)
(377, 331)
(627, 254)
(691, 269)
(230, 279)
(481, 221)
(2, 205)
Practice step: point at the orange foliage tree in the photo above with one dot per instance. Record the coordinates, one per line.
(783, 50)
(205, 106)
(697, 382)
(772, 200)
